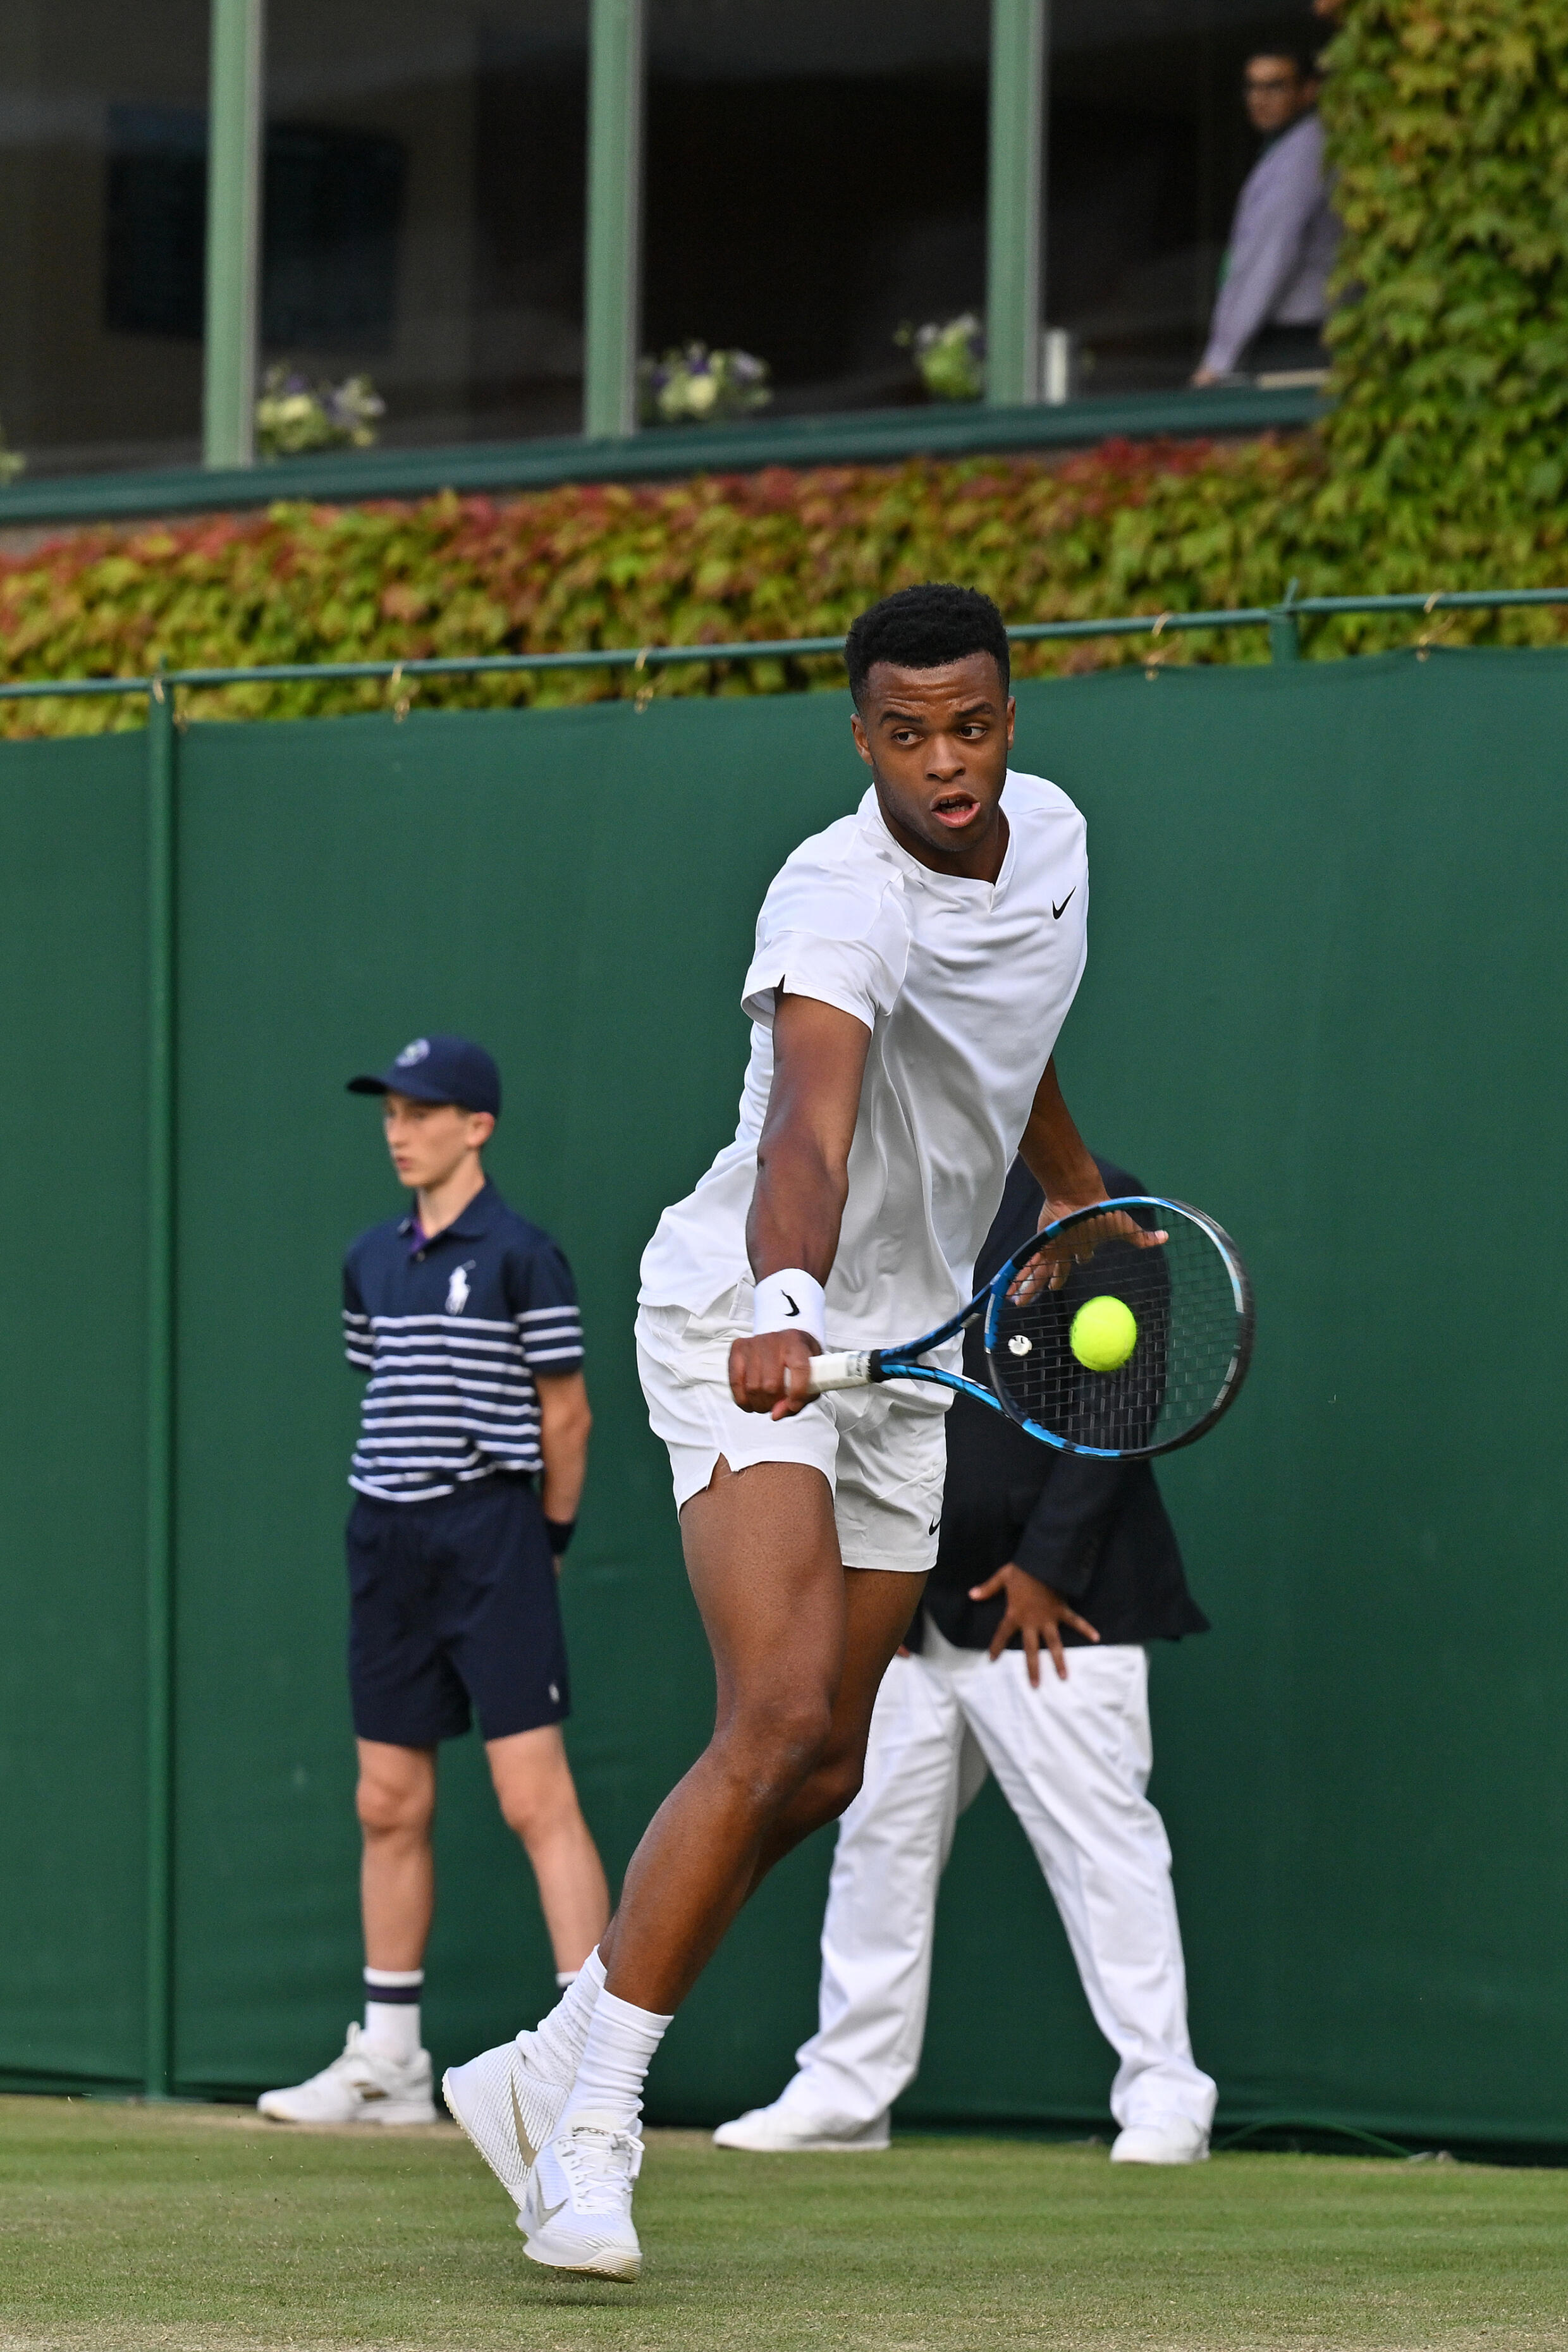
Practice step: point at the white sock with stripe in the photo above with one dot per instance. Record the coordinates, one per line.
(392, 2012)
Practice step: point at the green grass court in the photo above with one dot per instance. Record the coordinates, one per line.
(134, 2227)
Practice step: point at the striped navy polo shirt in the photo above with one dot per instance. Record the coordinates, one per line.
(452, 1332)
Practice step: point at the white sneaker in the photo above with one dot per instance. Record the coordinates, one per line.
(578, 2212)
(1170, 2142)
(363, 2087)
(508, 2108)
(773, 2131)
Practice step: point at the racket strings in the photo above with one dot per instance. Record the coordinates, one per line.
(1182, 1361)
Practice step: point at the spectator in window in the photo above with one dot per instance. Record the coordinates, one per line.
(1273, 296)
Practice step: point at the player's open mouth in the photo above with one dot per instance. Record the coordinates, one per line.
(956, 809)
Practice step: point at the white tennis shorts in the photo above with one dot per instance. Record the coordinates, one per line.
(882, 1451)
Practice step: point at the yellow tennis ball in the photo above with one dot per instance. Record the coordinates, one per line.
(1103, 1335)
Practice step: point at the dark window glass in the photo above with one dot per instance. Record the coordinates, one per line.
(153, 254)
(425, 169)
(815, 179)
(1149, 144)
(331, 211)
(102, 205)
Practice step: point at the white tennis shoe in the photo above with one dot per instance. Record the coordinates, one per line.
(508, 2106)
(774, 2131)
(577, 2215)
(1174, 2141)
(363, 2087)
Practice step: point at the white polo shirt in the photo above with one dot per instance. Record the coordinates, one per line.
(963, 986)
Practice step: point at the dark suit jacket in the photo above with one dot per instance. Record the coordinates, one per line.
(1096, 1532)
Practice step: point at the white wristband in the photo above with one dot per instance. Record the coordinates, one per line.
(790, 1300)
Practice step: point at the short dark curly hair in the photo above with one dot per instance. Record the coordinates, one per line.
(925, 628)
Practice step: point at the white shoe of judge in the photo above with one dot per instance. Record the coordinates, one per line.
(1174, 2141)
(780, 2131)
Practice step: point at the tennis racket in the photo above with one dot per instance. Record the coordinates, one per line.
(1140, 1351)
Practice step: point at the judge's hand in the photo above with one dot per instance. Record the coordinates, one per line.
(1036, 1612)
(1049, 1268)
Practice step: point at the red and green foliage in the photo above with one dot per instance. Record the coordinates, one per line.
(1442, 464)
(1160, 527)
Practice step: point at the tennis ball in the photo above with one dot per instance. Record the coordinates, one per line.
(1103, 1335)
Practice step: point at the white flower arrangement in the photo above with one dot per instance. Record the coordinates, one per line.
(950, 357)
(294, 416)
(697, 386)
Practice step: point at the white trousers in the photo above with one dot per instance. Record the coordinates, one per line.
(1072, 1760)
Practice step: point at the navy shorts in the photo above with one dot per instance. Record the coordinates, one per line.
(453, 1606)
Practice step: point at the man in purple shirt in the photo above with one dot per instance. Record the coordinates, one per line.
(1273, 296)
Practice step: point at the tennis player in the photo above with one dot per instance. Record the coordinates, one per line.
(913, 966)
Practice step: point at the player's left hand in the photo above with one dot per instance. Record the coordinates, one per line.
(1050, 1269)
(1036, 1614)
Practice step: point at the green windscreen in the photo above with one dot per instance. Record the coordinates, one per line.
(1324, 1002)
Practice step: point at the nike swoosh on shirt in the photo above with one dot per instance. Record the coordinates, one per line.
(1059, 911)
(529, 2153)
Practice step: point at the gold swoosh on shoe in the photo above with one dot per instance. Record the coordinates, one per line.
(529, 2152)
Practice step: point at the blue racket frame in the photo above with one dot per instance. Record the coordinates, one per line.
(897, 1364)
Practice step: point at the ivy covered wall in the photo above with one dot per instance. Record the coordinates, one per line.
(1443, 463)
(1447, 445)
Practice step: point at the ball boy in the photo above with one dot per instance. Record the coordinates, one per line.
(472, 1449)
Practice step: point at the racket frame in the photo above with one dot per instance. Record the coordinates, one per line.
(869, 1369)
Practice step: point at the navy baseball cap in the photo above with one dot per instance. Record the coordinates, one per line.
(439, 1070)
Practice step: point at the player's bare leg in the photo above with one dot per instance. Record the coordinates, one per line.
(877, 1618)
(800, 1646)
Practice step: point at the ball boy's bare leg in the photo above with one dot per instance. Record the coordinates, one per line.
(395, 1801)
(797, 1661)
(538, 1799)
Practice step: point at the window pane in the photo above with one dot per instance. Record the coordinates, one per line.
(1149, 145)
(101, 138)
(425, 170)
(815, 179)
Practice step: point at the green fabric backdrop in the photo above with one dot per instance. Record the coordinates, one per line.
(1325, 1000)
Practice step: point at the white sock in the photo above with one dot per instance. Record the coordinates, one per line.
(615, 2057)
(560, 2036)
(392, 2012)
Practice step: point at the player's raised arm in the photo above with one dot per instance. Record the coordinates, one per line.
(1062, 1165)
(802, 1182)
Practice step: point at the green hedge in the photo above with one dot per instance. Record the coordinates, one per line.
(1178, 527)
(1441, 466)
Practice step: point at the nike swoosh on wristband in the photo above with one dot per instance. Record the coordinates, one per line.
(790, 1304)
(1059, 911)
(526, 2148)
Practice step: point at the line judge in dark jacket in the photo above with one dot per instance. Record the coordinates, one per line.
(1039, 1550)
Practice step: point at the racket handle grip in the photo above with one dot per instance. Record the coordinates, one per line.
(849, 1371)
